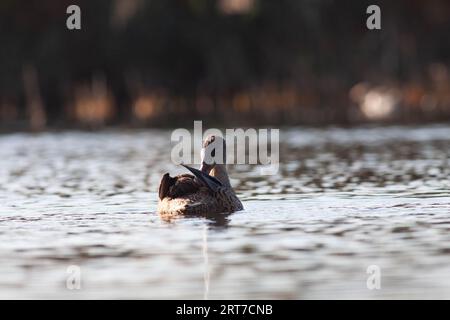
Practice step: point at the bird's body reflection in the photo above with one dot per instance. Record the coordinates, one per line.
(206, 262)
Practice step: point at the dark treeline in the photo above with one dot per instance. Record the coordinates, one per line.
(166, 62)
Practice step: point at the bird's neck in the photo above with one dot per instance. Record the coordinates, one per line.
(220, 173)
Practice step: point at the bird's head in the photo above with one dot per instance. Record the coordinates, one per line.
(213, 153)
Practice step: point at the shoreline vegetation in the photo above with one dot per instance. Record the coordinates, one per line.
(227, 62)
(93, 110)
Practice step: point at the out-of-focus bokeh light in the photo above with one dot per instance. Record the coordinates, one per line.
(236, 6)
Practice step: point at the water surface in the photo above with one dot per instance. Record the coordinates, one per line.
(344, 199)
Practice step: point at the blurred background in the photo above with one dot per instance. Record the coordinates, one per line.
(229, 62)
(364, 167)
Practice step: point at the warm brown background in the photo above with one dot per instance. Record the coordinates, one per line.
(228, 62)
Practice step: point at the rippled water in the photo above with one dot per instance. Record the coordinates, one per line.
(344, 199)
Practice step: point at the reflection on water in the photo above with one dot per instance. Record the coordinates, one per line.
(344, 199)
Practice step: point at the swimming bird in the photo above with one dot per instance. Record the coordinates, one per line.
(205, 191)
